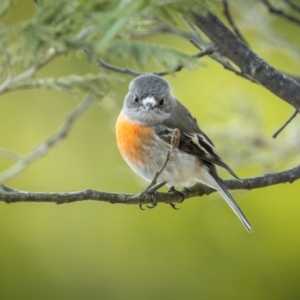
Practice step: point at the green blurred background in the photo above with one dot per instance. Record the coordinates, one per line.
(93, 250)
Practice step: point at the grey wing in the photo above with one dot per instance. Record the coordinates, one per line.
(182, 119)
(192, 139)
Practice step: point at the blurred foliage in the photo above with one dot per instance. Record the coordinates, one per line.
(98, 28)
(92, 250)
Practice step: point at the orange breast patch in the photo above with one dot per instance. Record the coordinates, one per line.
(132, 138)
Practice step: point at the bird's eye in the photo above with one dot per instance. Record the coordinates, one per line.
(136, 99)
(162, 101)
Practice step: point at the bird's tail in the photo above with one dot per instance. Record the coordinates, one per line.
(212, 179)
(222, 189)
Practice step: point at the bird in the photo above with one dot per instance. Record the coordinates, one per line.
(144, 130)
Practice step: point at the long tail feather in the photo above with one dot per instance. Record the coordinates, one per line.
(210, 177)
(222, 189)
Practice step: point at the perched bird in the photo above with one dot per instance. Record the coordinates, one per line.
(144, 130)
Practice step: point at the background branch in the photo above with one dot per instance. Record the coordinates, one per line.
(207, 51)
(250, 64)
(285, 124)
(281, 12)
(45, 147)
(226, 12)
(293, 5)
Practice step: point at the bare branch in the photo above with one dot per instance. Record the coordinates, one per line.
(285, 124)
(207, 51)
(250, 64)
(10, 154)
(226, 12)
(43, 148)
(13, 80)
(13, 196)
(293, 5)
(113, 68)
(280, 12)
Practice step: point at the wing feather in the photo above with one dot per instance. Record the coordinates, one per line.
(192, 139)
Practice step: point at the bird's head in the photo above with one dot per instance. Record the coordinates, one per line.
(149, 100)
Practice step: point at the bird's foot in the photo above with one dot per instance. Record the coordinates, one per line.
(152, 192)
(173, 190)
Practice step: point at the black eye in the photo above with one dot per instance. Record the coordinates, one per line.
(136, 99)
(162, 101)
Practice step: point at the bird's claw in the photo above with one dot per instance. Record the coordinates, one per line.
(174, 206)
(152, 192)
(173, 190)
(141, 207)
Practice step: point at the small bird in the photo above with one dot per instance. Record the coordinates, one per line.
(144, 131)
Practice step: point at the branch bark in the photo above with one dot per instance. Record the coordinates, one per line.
(9, 195)
(250, 63)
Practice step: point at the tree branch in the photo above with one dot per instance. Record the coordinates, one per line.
(250, 64)
(14, 196)
(43, 148)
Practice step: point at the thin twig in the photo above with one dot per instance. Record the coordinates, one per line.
(285, 124)
(210, 49)
(226, 12)
(280, 12)
(154, 180)
(44, 147)
(207, 51)
(84, 32)
(10, 154)
(7, 189)
(113, 68)
(175, 138)
(195, 44)
(13, 80)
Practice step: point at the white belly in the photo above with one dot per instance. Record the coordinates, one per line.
(181, 168)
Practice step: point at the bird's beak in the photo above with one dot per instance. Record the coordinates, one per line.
(148, 106)
(149, 103)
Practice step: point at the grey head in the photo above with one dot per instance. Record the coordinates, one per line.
(149, 100)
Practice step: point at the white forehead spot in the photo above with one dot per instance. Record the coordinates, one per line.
(149, 99)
